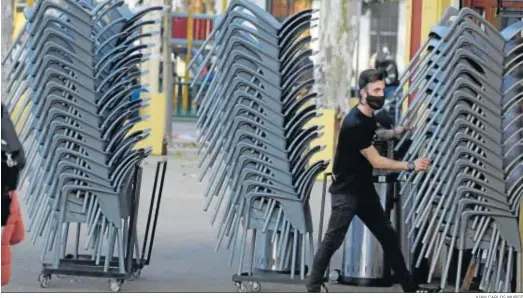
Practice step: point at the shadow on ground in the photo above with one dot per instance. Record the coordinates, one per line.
(184, 257)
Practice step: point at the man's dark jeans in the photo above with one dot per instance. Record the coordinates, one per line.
(367, 207)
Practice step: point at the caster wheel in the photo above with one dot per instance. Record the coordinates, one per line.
(255, 286)
(44, 280)
(334, 275)
(242, 288)
(115, 285)
(138, 273)
(324, 288)
(131, 277)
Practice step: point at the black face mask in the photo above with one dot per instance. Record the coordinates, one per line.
(376, 102)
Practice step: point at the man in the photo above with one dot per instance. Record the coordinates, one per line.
(352, 190)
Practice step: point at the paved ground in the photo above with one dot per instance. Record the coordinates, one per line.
(184, 257)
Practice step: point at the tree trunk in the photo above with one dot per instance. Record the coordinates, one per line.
(7, 32)
(337, 39)
(338, 29)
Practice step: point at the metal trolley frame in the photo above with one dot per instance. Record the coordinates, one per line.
(83, 265)
(251, 281)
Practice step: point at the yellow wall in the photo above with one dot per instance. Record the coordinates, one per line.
(157, 109)
(328, 120)
(19, 21)
(433, 10)
(156, 124)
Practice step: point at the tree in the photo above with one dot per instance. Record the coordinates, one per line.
(338, 29)
(7, 32)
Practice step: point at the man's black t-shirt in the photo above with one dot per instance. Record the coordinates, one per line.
(352, 172)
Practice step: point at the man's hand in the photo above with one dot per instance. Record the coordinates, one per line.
(422, 164)
(400, 130)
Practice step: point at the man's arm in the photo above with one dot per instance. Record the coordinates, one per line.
(385, 134)
(379, 162)
(389, 134)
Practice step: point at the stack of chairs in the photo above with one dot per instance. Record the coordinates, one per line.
(466, 110)
(69, 94)
(255, 134)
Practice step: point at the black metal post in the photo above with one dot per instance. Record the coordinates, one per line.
(153, 196)
(160, 192)
(137, 181)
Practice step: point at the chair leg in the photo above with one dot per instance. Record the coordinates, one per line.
(519, 286)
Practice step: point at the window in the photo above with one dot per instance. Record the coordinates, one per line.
(384, 26)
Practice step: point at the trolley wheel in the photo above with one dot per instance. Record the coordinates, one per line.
(115, 284)
(131, 277)
(324, 288)
(255, 286)
(241, 287)
(137, 273)
(334, 275)
(44, 280)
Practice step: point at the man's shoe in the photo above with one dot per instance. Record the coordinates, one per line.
(315, 289)
(428, 290)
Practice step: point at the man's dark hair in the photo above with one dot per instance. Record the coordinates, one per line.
(369, 76)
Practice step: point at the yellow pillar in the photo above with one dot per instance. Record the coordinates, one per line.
(18, 22)
(408, 8)
(408, 16)
(328, 121)
(157, 104)
(224, 5)
(432, 11)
